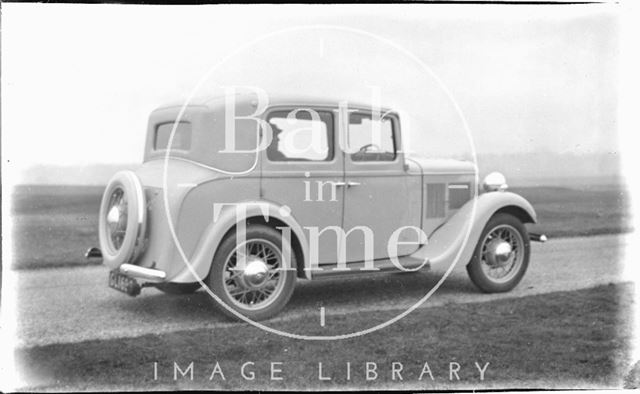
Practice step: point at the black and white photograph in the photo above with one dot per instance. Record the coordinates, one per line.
(435, 196)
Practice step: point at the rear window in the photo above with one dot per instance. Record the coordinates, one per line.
(181, 138)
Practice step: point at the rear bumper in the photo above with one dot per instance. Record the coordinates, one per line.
(133, 271)
(149, 274)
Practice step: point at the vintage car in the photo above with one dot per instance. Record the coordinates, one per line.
(349, 202)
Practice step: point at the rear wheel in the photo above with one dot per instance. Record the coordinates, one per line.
(501, 257)
(253, 278)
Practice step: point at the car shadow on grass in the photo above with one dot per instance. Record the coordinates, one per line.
(343, 295)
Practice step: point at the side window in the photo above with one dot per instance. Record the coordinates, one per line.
(181, 138)
(371, 139)
(301, 135)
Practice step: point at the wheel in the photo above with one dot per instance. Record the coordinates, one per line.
(122, 220)
(178, 288)
(258, 286)
(501, 256)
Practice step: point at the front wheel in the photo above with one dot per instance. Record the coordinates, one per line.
(501, 256)
(253, 278)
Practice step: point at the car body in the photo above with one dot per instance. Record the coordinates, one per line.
(320, 169)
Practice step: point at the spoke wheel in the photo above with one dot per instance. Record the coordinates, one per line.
(502, 253)
(252, 274)
(122, 220)
(501, 256)
(116, 221)
(252, 278)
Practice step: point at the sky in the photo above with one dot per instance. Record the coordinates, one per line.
(79, 81)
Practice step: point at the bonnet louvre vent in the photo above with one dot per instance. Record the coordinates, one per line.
(436, 200)
(459, 194)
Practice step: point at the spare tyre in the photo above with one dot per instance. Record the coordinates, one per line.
(122, 221)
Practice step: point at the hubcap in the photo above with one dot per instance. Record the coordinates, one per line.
(253, 274)
(502, 253)
(113, 217)
(498, 252)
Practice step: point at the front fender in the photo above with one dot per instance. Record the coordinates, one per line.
(456, 239)
(208, 245)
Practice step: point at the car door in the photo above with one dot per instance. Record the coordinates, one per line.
(380, 196)
(303, 169)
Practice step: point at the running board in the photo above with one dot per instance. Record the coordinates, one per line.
(359, 268)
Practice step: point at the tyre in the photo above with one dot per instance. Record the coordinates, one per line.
(501, 256)
(258, 286)
(178, 288)
(122, 220)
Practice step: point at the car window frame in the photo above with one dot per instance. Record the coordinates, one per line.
(333, 135)
(395, 130)
(331, 140)
(154, 137)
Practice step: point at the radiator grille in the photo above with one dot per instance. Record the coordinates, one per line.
(436, 200)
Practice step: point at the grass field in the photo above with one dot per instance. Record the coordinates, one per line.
(54, 225)
(559, 340)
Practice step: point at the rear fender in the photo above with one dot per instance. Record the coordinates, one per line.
(200, 262)
(456, 239)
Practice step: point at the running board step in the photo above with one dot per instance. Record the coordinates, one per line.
(360, 268)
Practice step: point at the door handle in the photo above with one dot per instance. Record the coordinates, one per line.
(347, 184)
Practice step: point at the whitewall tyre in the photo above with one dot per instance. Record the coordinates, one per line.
(122, 220)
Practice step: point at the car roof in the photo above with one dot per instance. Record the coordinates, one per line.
(216, 101)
